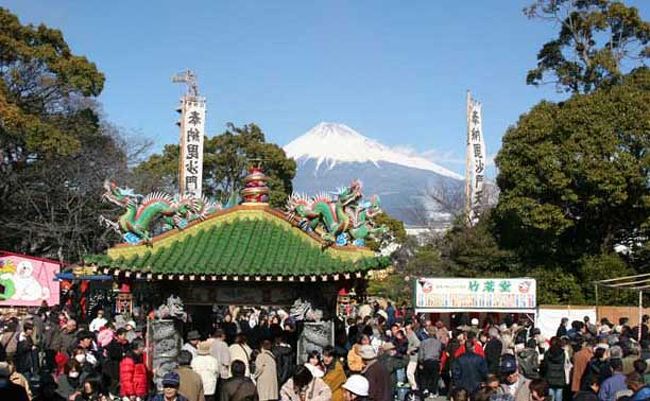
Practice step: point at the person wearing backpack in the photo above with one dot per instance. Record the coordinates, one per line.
(528, 360)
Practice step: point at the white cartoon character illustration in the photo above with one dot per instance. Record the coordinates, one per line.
(27, 287)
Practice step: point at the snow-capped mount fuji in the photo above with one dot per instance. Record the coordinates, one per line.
(332, 143)
(331, 155)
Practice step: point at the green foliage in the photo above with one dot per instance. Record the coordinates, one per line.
(596, 42)
(395, 228)
(395, 287)
(573, 175)
(472, 251)
(54, 150)
(226, 159)
(40, 81)
(602, 267)
(556, 287)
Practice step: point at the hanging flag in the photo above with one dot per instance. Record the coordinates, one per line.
(191, 140)
(475, 161)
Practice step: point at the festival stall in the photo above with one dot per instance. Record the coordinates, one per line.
(480, 298)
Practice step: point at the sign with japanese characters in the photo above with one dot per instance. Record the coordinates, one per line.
(476, 159)
(26, 281)
(191, 155)
(475, 294)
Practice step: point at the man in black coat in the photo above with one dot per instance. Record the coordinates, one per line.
(561, 330)
(238, 387)
(25, 358)
(469, 370)
(493, 350)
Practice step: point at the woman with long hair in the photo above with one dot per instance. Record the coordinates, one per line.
(334, 373)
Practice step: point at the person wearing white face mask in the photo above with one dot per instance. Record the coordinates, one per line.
(9, 390)
(85, 345)
(69, 383)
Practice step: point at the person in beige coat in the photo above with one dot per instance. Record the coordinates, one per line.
(266, 374)
(303, 386)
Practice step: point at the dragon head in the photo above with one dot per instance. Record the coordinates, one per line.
(119, 196)
(373, 208)
(350, 194)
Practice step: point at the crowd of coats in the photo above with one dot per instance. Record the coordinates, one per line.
(383, 356)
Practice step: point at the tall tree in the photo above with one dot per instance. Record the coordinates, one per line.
(54, 150)
(226, 158)
(598, 42)
(574, 175)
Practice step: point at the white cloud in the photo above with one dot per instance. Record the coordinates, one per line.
(451, 159)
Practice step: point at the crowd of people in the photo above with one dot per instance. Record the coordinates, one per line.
(383, 356)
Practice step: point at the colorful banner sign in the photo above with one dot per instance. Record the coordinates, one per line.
(192, 134)
(475, 294)
(28, 281)
(476, 160)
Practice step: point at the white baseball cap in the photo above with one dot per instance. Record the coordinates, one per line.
(358, 385)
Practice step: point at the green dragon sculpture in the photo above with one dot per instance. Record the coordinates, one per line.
(142, 212)
(341, 219)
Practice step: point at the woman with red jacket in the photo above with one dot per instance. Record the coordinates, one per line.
(134, 378)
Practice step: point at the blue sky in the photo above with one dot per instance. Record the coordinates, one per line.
(395, 71)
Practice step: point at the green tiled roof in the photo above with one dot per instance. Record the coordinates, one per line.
(245, 244)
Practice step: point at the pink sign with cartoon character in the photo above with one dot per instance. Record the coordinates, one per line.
(27, 281)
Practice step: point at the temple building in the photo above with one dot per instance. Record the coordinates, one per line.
(249, 254)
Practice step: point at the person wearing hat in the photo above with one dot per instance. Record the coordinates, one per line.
(170, 382)
(208, 368)
(193, 339)
(392, 362)
(191, 383)
(356, 388)
(512, 383)
(378, 377)
(130, 330)
(9, 390)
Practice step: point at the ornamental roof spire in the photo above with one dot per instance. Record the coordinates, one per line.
(256, 190)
